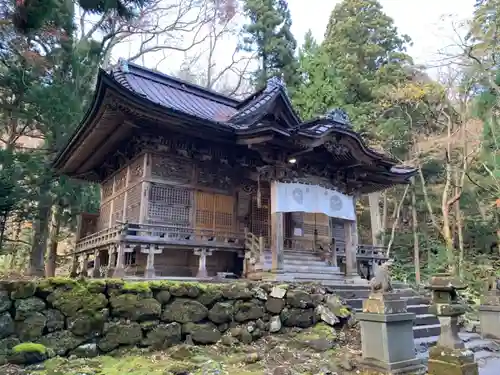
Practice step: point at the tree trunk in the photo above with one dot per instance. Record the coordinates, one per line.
(416, 247)
(50, 266)
(41, 229)
(396, 221)
(376, 222)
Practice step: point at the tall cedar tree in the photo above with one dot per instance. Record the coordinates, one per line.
(367, 56)
(269, 34)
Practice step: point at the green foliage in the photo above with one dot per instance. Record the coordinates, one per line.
(29, 347)
(269, 34)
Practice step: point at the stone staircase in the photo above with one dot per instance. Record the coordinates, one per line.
(303, 266)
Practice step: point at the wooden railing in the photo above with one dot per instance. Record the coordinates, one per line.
(254, 248)
(101, 238)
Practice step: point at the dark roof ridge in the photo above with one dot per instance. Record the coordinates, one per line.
(178, 83)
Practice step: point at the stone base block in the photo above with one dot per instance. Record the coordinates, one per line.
(443, 361)
(489, 320)
(149, 273)
(412, 366)
(384, 304)
(118, 272)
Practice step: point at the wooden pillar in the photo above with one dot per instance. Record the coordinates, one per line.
(202, 262)
(119, 270)
(333, 252)
(150, 272)
(277, 238)
(85, 265)
(351, 247)
(96, 272)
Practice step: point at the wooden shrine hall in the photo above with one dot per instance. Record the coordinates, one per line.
(195, 183)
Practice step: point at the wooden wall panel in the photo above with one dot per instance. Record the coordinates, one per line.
(214, 211)
(205, 206)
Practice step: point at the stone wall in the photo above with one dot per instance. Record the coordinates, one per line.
(88, 317)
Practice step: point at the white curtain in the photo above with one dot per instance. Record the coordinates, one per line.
(296, 197)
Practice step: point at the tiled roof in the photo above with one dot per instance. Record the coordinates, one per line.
(175, 94)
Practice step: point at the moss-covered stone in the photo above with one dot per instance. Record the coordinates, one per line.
(237, 291)
(22, 289)
(120, 333)
(6, 346)
(294, 317)
(163, 335)
(61, 342)
(88, 322)
(248, 310)
(185, 290)
(78, 298)
(28, 353)
(32, 327)
(135, 307)
(275, 305)
(184, 311)
(96, 286)
(203, 333)
(5, 301)
(209, 296)
(25, 307)
(298, 299)
(163, 296)
(7, 327)
(55, 320)
(221, 312)
(89, 350)
(139, 288)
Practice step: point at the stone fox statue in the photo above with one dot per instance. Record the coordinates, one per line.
(381, 281)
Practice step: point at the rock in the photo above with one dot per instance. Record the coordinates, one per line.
(229, 340)
(163, 335)
(32, 327)
(5, 301)
(7, 327)
(222, 312)
(275, 305)
(204, 333)
(134, 307)
(163, 297)
(25, 307)
(149, 325)
(317, 299)
(245, 337)
(184, 311)
(28, 354)
(223, 327)
(298, 317)
(326, 315)
(6, 346)
(209, 297)
(275, 324)
(238, 291)
(69, 302)
(259, 293)
(346, 364)
(298, 298)
(278, 292)
(22, 289)
(336, 306)
(247, 311)
(252, 358)
(320, 344)
(61, 342)
(120, 333)
(282, 370)
(185, 290)
(85, 323)
(55, 320)
(86, 351)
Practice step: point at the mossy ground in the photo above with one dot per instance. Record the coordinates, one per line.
(259, 358)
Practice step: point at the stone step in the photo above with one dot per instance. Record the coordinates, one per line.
(357, 302)
(425, 319)
(426, 330)
(308, 276)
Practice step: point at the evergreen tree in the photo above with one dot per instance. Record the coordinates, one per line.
(269, 34)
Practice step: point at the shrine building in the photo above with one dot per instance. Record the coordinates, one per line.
(195, 184)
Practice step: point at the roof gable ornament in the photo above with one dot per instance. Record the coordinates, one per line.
(123, 64)
(274, 83)
(339, 116)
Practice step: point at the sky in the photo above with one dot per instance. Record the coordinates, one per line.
(431, 24)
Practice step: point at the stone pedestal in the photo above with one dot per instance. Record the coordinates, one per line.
(449, 356)
(119, 270)
(96, 272)
(387, 336)
(489, 315)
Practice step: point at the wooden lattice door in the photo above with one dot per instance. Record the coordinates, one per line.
(214, 211)
(319, 222)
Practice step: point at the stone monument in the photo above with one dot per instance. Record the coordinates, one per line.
(387, 329)
(449, 356)
(489, 310)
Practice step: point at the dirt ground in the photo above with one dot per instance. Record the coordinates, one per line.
(318, 350)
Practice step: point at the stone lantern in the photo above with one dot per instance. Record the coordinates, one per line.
(449, 356)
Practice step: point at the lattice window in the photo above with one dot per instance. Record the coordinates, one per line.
(136, 170)
(120, 180)
(133, 212)
(118, 208)
(107, 189)
(337, 228)
(104, 212)
(260, 219)
(169, 205)
(172, 169)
